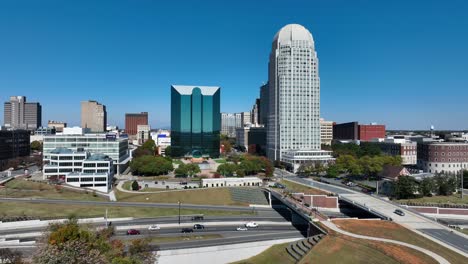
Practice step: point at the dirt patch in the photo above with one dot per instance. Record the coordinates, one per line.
(403, 254)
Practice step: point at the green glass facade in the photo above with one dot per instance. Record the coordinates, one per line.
(195, 120)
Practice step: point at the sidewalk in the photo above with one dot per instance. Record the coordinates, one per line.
(435, 256)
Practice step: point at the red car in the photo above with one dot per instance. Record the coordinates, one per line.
(133, 232)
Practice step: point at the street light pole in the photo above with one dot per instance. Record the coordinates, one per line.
(461, 175)
(179, 211)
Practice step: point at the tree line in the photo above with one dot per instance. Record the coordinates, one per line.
(243, 165)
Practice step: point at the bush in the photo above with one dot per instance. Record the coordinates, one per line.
(135, 186)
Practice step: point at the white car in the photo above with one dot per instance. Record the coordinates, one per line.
(241, 228)
(251, 224)
(154, 227)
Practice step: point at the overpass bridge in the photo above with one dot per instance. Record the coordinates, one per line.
(412, 220)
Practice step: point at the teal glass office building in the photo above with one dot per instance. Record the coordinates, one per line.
(195, 120)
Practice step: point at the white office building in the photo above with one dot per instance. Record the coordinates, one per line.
(107, 144)
(80, 169)
(232, 182)
(162, 139)
(294, 97)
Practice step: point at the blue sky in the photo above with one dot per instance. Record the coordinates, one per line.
(400, 63)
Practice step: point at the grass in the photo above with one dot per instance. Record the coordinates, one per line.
(454, 199)
(183, 238)
(301, 188)
(336, 248)
(13, 209)
(176, 161)
(211, 196)
(394, 231)
(275, 254)
(220, 161)
(20, 188)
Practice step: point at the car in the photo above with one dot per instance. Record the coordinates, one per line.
(198, 226)
(197, 218)
(133, 232)
(187, 230)
(399, 212)
(251, 224)
(242, 228)
(154, 227)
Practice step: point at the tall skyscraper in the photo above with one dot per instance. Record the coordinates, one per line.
(228, 124)
(132, 120)
(195, 120)
(263, 116)
(255, 112)
(246, 118)
(294, 98)
(93, 116)
(19, 114)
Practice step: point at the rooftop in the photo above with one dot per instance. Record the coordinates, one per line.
(99, 156)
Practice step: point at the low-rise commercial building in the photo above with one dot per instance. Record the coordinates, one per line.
(107, 144)
(80, 169)
(59, 126)
(295, 158)
(443, 157)
(231, 182)
(354, 131)
(162, 138)
(399, 146)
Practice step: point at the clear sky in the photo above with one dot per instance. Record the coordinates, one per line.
(400, 63)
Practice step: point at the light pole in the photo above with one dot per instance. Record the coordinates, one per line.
(179, 211)
(461, 175)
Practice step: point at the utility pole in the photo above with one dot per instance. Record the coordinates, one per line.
(106, 219)
(461, 175)
(179, 211)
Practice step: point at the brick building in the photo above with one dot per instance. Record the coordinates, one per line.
(132, 120)
(443, 157)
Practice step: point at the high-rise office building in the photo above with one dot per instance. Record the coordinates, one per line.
(263, 116)
(93, 116)
(59, 126)
(132, 120)
(228, 124)
(246, 119)
(255, 113)
(294, 99)
(326, 131)
(19, 114)
(195, 120)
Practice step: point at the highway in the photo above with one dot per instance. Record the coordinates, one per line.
(411, 220)
(135, 204)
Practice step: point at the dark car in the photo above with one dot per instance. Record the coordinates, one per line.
(399, 212)
(197, 218)
(133, 232)
(187, 230)
(198, 226)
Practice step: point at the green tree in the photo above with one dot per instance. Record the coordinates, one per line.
(445, 184)
(149, 145)
(404, 187)
(168, 151)
(187, 170)
(36, 145)
(151, 165)
(426, 187)
(333, 171)
(135, 186)
(227, 146)
(227, 169)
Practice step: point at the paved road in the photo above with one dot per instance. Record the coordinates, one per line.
(130, 204)
(411, 219)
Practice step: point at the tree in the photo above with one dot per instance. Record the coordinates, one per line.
(333, 171)
(139, 152)
(404, 187)
(426, 187)
(227, 146)
(135, 186)
(168, 151)
(445, 184)
(151, 165)
(187, 170)
(9, 256)
(36, 145)
(227, 169)
(149, 145)
(70, 243)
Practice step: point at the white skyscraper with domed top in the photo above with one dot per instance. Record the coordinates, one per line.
(293, 133)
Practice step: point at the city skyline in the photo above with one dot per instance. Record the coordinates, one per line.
(376, 67)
